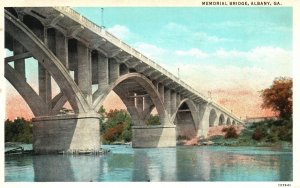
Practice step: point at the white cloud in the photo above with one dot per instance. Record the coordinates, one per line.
(263, 56)
(229, 69)
(120, 31)
(175, 27)
(194, 52)
(269, 54)
(208, 38)
(150, 50)
(211, 77)
(221, 53)
(258, 53)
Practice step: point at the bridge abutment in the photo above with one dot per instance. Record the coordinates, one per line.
(73, 133)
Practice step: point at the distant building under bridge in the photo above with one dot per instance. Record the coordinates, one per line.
(251, 120)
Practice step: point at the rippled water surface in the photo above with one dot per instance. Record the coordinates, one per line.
(124, 163)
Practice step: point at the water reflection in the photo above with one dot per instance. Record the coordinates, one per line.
(157, 164)
(52, 168)
(116, 167)
(196, 165)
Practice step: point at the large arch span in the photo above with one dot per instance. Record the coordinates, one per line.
(140, 85)
(50, 62)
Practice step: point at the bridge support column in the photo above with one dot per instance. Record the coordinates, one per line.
(203, 126)
(45, 89)
(167, 100)
(84, 71)
(153, 136)
(61, 43)
(103, 81)
(20, 63)
(173, 102)
(66, 133)
(178, 100)
(161, 91)
(114, 70)
(139, 104)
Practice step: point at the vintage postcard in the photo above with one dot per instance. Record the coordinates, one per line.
(200, 92)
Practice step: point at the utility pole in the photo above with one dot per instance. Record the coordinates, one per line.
(102, 18)
(209, 95)
(178, 73)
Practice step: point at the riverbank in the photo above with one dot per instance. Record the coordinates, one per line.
(270, 133)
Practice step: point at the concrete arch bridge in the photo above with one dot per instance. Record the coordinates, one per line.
(78, 56)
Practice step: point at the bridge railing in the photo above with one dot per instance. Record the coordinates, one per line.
(125, 47)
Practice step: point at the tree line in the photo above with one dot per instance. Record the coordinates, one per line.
(19, 130)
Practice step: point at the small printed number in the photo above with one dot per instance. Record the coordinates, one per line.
(284, 185)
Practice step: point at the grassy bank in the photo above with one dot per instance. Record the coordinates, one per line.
(266, 133)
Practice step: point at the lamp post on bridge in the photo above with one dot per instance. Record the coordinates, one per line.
(102, 18)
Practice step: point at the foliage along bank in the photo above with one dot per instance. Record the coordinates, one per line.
(19, 130)
(264, 133)
(116, 126)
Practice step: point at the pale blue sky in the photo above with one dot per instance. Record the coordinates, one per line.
(184, 28)
(210, 44)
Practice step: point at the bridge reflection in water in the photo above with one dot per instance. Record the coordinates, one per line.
(156, 164)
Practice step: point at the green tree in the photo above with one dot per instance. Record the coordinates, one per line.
(102, 112)
(153, 120)
(279, 97)
(116, 126)
(19, 130)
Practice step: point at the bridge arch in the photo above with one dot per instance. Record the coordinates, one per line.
(48, 60)
(186, 119)
(221, 120)
(119, 86)
(212, 117)
(228, 121)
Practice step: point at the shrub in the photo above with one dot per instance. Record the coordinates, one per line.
(127, 135)
(153, 120)
(19, 130)
(182, 137)
(230, 132)
(285, 133)
(272, 135)
(224, 129)
(112, 134)
(258, 134)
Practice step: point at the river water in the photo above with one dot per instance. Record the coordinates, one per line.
(183, 163)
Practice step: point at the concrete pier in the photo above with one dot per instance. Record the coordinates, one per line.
(153, 136)
(66, 133)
